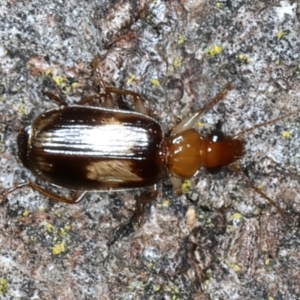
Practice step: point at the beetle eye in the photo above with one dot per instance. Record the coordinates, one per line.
(216, 136)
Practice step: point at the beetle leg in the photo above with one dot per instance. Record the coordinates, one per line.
(88, 99)
(55, 99)
(176, 183)
(75, 199)
(108, 100)
(144, 198)
(138, 101)
(190, 122)
(138, 215)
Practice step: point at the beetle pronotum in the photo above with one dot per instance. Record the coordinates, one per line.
(88, 148)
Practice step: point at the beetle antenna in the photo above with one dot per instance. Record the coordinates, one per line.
(215, 100)
(265, 123)
(189, 122)
(238, 171)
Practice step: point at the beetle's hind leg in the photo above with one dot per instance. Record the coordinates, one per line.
(75, 199)
(138, 216)
(56, 99)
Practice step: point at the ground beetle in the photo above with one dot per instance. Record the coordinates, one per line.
(87, 148)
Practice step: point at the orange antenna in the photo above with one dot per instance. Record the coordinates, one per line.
(266, 123)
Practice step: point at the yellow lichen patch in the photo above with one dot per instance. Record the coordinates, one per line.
(74, 85)
(63, 231)
(49, 227)
(156, 288)
(26, 213)
(281, 34)
(68, 88)
(219, 4)
(260, 186)
(58, 80)
(236, 217)
(180, 39)
(149, 266)
(233, 266)
(3, 286)
(234, 221)
(131, 79)
(48, 72)
(206, 284)
(214, 50)
(57, 214)
(67, 227)
(155, 82)
(59, 248)
(177, 61)
(209, 223)
(41, 209)
(21, 109)
(200, 124)
(33, 238)
(174, 289)
(186, 186)
(285, 134)
(243, 58)
(166, 203)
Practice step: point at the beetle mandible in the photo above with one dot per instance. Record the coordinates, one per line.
(87, 148)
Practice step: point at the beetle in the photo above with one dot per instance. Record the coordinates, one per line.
(84, 147)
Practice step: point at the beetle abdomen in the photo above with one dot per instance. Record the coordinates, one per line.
(82, 147)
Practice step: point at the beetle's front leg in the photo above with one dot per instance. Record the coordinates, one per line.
(75, 199)
(138, 101)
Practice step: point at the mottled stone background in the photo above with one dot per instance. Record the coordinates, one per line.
(220, 239)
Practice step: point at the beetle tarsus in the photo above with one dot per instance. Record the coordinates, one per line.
(78, 195)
